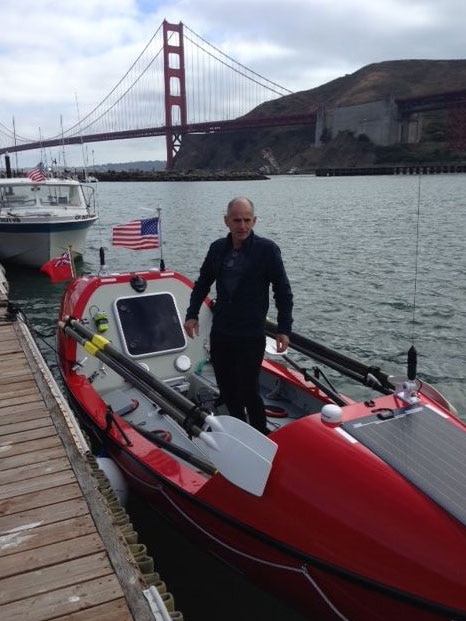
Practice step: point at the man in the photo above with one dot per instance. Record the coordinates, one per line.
(243, 265)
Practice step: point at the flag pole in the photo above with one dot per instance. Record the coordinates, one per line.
(73, 269)
(162, 262)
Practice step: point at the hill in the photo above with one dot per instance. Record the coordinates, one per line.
(286, 149)
(147, 166)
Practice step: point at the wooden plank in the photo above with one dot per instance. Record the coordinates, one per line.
(20, 389)
(67, 600)
(55, 505)
(23, 548)
(111, 611)
(27, 436)
(37, 484)
(10, 374)
(13, 362)
(34, 469)
(51, 554)
(22, 459)
(20, 399)
(26, 425)
(9, 449)
(57, 576)
(23, 411)
(10, 347)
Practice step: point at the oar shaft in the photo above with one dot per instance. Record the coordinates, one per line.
(119, 368)
(236, 460)
(203, 465)
(103, 344)
(345, 365)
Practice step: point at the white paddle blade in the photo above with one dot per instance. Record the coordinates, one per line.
(271, 347)
(235, 461)
(256, 440)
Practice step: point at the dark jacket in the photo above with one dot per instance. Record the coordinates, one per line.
(243, 312)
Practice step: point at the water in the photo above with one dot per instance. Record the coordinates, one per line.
(376, 264)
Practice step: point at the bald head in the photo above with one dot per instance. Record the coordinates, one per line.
(240, 201)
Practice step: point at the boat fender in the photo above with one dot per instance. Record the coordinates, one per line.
(331, 414)
(115, 478)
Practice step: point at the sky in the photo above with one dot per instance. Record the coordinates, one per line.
(69, 54)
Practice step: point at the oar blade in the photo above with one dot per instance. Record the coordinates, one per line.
(256, 440)
(237, 462)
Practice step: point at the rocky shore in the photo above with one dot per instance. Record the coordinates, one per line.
(191, 175)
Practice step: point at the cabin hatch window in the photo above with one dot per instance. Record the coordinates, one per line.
(150, 324)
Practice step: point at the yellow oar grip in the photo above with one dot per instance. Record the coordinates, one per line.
(100, 341)
(90, 348)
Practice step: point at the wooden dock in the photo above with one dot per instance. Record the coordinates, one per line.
(61, 554)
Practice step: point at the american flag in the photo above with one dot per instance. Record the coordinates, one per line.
(137, 234)
(37, 173)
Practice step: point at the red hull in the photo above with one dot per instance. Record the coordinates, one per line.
(337, 533)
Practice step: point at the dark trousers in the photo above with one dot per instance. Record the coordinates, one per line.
(237, 364)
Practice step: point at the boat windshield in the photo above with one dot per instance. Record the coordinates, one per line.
(150, 324)
(16, 197)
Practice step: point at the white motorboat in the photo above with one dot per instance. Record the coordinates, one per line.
(41, 219)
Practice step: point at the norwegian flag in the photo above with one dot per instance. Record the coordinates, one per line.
(60, 268)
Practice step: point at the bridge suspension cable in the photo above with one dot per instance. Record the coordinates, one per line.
(218, 88)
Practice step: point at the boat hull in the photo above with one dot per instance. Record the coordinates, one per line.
(310, 584)
(31, 243)
(40, 220)
(338, 532)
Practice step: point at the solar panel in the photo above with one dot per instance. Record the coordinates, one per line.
(423, 446)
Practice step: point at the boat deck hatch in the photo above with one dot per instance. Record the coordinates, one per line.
(423, 446)
(150, 324)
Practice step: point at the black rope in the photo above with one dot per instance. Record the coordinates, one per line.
(111, 420)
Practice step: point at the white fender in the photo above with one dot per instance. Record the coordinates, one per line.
(115, 478)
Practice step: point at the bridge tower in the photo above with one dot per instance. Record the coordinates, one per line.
(175, 88)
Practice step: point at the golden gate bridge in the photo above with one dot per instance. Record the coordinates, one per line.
(179, 84)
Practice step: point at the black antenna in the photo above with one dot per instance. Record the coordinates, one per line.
(412, 363)
(162, 262)
(103, 268)
(412, 353)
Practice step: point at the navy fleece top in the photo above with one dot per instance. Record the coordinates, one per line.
(242, 312)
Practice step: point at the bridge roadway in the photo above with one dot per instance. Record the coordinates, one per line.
(427, 103)
(208, 127)
(63, 554)
(406, 106)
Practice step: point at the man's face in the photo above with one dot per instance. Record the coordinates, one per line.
(240, 220)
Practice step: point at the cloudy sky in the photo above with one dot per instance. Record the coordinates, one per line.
(67, 55)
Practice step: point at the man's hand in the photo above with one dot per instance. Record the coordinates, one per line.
(192, 327)
(282, 343)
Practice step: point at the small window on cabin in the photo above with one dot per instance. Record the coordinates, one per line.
(150, 324)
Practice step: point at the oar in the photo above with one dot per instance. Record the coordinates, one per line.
(236, 461)
(358, 371)
(271, 349)
(154, 437)
(228, 424)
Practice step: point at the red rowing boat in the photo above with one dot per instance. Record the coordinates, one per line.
(347, 510)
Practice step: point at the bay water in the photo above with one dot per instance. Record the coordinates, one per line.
(377, 264)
